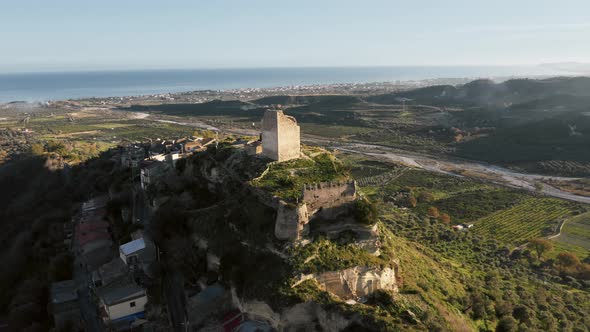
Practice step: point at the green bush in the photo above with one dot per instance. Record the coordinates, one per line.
(365, 212)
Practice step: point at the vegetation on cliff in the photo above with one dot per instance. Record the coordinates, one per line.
(286, 179)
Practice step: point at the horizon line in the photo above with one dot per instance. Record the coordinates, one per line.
(147, 69)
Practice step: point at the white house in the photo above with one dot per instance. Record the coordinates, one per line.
(130, 251)
(122, 302)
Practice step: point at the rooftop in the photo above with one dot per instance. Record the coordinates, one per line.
(132, 247)
(119, 292)
(83, 238)
(64, 291)
(112, 271)
(95, 203)
(90, 226)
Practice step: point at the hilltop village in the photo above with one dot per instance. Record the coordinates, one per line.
(329, 213)
(241, 192)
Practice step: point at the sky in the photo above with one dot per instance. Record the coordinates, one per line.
(60, 35)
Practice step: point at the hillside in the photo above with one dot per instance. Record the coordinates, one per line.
(486, 93)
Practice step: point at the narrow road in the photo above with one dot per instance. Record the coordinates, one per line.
(173, 285)
(88, 309)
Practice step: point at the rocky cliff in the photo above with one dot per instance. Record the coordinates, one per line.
(357, 282)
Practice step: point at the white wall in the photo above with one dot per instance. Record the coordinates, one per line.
(124, 309)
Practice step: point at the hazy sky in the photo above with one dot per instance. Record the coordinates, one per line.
(132, 34)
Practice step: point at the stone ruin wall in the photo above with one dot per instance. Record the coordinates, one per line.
(328, 195)
(280, 136)
(291, 221)
(270, 140)
(326, 199)
(289, 137)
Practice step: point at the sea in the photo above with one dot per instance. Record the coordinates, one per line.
(46, 86)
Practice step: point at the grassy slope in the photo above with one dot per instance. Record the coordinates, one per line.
(443, 271)
(575, 237)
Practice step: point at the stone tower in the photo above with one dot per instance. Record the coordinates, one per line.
(280, 136)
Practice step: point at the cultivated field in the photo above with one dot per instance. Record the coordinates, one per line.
(575, 236)
(532, 218)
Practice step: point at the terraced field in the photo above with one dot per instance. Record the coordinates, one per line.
(532, 218)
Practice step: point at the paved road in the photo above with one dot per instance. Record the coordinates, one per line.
(93, 323)
(88, 308)
(176, 300)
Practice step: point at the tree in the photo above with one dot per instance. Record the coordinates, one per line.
(37, 149)
(523, 314)
(507, 324)
(541, 246)
(445, 218)
(412, 201)
(433, 212)
(425, 196)
(365, 211)
(567, 260)
(584, 271)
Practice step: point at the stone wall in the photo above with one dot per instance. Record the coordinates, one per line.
(280, 136)
(330, 197)
(291, 221)
(327, 200)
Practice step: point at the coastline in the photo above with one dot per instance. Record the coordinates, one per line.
(54, 86)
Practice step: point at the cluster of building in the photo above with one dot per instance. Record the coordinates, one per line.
(109, 282)
(156, 158)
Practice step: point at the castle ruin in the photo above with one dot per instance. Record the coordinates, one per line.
(328, 200)
(280, 136)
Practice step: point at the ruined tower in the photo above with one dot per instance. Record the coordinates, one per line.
(280, 136)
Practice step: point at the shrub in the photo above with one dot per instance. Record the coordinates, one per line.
(365, 212)
(567, 260)
(433, 212)
(507, 324)
(425, 197)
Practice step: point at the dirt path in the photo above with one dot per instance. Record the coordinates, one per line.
(559, 231)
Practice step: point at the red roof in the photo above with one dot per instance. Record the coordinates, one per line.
(91, 226)
(232, 320)
(84, 238)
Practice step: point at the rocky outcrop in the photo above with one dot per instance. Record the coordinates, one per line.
(356, 282)
(308, 316)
